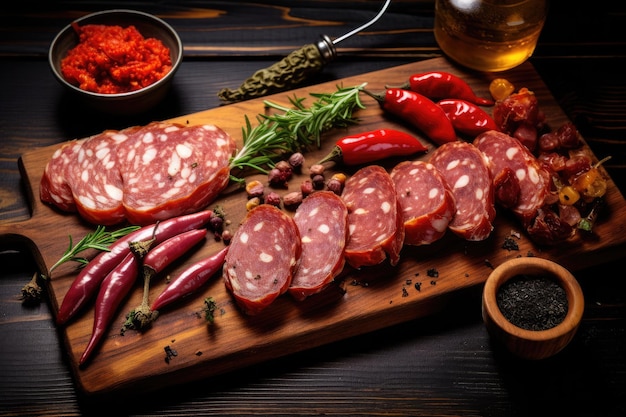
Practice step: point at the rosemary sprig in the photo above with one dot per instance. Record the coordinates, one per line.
(297, 128)
(100, 239)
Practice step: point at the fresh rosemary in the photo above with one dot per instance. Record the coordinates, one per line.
(294, 128)
(100, 239)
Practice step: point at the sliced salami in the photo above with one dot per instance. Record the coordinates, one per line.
(54, 188)
(465, 170)
(426, 201)
(507, 154)
(170, 170)
(96, 181)
(263, 257)
(376, 228)
(322, 221)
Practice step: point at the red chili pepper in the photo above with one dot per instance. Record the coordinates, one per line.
(191, 279)
(419, 111)
(86, 284)
(372, 146)
(115, 287)
(173, 248)
(467, 118)
(438, 85)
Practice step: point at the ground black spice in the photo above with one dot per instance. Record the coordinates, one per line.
(532, 302)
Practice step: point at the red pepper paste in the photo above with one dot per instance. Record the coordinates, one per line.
(112, 59)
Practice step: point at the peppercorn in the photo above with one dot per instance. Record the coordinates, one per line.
(272, 198)
(293, 199)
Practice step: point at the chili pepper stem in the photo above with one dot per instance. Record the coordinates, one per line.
(404, 86)
(31, 292)
(380, 97)
(142, 316)
(334, 156)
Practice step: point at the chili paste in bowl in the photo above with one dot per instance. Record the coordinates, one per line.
(117, 61)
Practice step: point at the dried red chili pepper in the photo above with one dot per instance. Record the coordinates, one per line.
(419, 111)
(191, 279)
(115, 287)
(372, 146)
(438, 85)
(467, 118)
(86, 284)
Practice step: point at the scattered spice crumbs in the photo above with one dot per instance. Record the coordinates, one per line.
(418, 286)
(433, 273)
(510, 244)
(169, 353)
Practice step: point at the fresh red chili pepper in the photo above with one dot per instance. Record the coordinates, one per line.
(438, 85)
(115, 287)
(191, 279)
(173, 248)
(419, 111)
(86, 284)
(372, 146)
(467, 118)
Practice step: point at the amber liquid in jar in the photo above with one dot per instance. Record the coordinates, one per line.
(489, 35)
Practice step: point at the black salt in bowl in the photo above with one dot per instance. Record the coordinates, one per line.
(533, 306)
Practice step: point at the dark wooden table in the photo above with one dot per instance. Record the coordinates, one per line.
(440, 365)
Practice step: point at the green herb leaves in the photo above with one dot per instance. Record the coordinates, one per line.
(294, 129)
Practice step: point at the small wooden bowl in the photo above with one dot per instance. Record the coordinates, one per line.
(532, 344)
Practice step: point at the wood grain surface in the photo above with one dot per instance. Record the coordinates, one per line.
(137, 361)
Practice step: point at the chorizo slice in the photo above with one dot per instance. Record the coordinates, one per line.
(96, 181)
(170, 170)
(505, 153)
(426, 200)
(375, 225)
(465, 170)
(54, 186)
(322, 221)
(263, 257)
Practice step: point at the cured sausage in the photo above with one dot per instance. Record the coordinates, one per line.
(375, 225)
(95, 179)
(55, 189)
(506, 154)
(170, 170)
(426, 200)
(322, 221)
(465, 170)
(263, 257)
(140, 174)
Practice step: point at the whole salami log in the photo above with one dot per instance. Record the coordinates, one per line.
(263, 257)
(55, 188)
(426, 200)
(322, 221)
(169, 170)
(506, 154)
(465, 169)
(376, 228)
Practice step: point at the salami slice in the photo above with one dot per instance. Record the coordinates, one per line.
(376, 228)
(465, 170)
(322, 221)
(54, 188)
(506, 153)
(170, 170)
(263, 257)
(95, 179)
(426, 201)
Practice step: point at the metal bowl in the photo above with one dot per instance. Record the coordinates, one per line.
(522, 342)
(123, 103)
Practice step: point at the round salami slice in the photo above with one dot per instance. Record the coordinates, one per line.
(54, 187)
(375, 225)
(426, 201)
(95, 179)
(322, 221)
(507, 154)
(263, 257)
(465, 170)
(170, 170)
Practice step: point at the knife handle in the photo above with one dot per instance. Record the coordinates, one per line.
(285, 74)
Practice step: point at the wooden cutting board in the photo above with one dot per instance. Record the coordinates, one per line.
(365, 300)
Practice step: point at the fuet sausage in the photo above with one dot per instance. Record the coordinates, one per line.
(465, 169)
(322, 220)
(376, 228)
(427, 202)
(263, 257)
